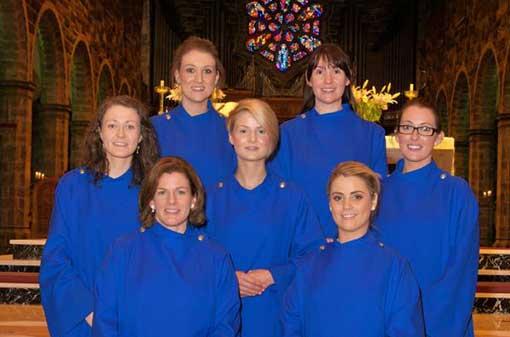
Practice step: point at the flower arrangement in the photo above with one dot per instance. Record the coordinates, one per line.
(369, 104)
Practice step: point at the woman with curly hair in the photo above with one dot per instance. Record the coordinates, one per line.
(94, 205)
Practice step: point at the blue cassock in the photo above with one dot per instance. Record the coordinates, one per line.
(86, 219)
(431, 218)
(360, 288)
(201, 140)
(311, 145)
(158, 282)
(269, 227)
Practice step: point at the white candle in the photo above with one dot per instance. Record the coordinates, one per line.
(161, 83)
(411, 87)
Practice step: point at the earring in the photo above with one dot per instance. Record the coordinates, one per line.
(137, 149)
(192, 206)
(153, 209)
(175, 93)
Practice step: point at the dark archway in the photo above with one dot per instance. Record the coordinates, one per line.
(460, 125)
(105, 87)
(442, 109)
(82, 101)
(483, 144)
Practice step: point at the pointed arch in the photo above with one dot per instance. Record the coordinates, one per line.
(105, 84)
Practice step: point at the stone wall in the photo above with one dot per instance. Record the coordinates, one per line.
(463, 53)
(58, 60)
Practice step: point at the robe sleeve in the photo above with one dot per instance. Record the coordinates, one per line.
(379, 162)
(108, 278)
(227, 320)
(292, 315)
(280, 163)
(307, 236)
(65, 298)
(404, 316)
(453, 294)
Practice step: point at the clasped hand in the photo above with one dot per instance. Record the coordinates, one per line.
(254, 282)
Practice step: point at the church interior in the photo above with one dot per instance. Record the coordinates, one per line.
(59, 59)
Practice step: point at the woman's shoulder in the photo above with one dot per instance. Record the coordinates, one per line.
(75, 178)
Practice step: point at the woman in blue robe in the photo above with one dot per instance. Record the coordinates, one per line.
(264, 222)
(93, 206)
(355, 286)
(194, 130)
(431, 218)
(168, 278)
(327, 132)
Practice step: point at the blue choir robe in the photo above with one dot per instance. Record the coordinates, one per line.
(311, 145)
(360, 288)
(431, 218)
(156, 283)
(86, 219)
(269, 227)
(201, 140)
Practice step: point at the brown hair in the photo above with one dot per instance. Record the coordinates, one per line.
(360, 170)
(94, 157)
(262, 113)
(150, 184)
(203, 45)
(420, 103)
(332, 54)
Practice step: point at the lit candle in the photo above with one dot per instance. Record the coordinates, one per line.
(161, 83)
(411, 87)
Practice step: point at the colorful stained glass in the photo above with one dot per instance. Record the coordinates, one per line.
(276, 25)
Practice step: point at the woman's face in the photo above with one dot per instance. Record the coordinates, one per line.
(173, 201)
(415, 148)
(197, 76)
(351, 204)
(250, 140)
(120, 132)
(328, 84)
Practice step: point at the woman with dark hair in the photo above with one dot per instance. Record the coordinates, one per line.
(264, 222)
(168, 278)
(354, 286)
(327, 132)
(431, 218)
(94, 205)
(194, 130)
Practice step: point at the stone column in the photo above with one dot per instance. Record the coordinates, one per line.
(53, 144)
(482, 178)
(462, 159)
(503, 183)
(78, 132)
(15, 153)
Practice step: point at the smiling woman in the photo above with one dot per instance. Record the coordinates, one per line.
(194, 130)
(94, 205)
(356, 268)
(168, 276)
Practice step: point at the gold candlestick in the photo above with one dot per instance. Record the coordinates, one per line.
(161, 90)
(411, 93)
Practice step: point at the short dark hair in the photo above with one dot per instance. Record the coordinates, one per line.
(94, 157)
(150, 184)
(333, 54)
(420, 103)
(203, 45)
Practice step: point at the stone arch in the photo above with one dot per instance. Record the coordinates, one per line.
(124, 88)
(82, 100)
(483, 142)
(503, 163)
(442, 109)
(460, 124)
(15, 117)
(105, 85)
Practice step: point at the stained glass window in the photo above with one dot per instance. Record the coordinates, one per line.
(283, 31)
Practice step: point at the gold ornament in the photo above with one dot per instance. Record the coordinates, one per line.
(217, 95)
(175, 93)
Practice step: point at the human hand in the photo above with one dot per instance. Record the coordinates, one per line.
(248, 284)
(90, 319)
(263, 276)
